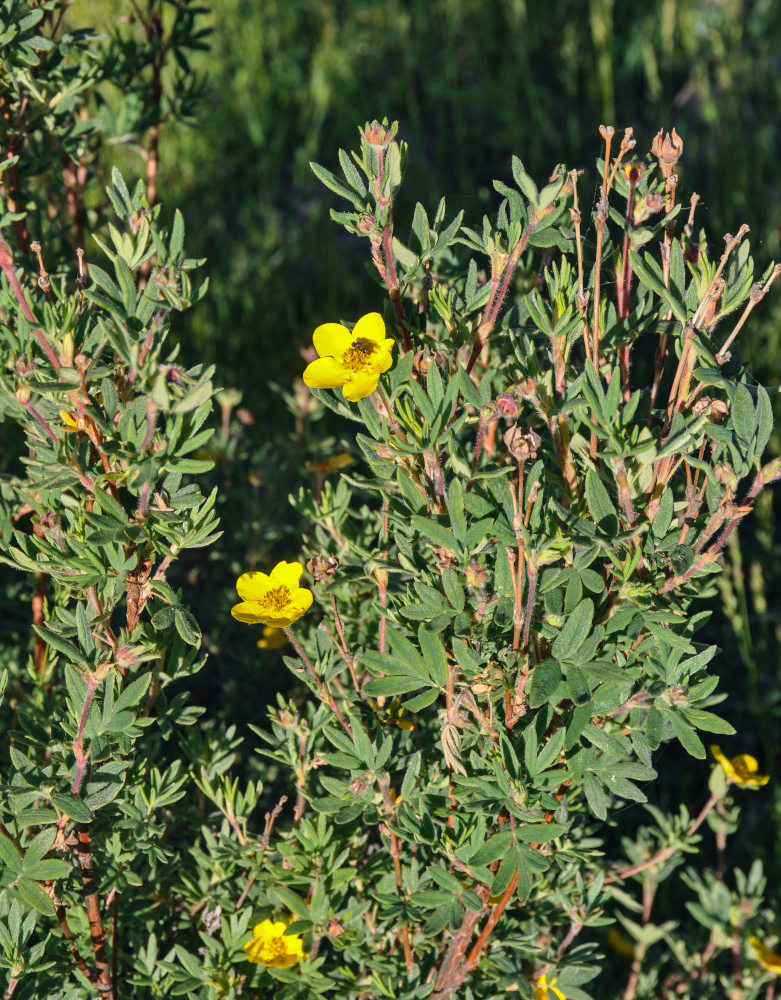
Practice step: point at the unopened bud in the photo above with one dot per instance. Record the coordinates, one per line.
(126, 657)
(507, 404)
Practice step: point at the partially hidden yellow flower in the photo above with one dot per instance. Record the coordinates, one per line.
(542, 986)
(274, 599)
(353, 359)
(619, 943)
(271, 946)
(766, 956)
(72, 422)
(273, 638)
(742, 770)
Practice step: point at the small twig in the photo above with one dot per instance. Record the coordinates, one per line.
(493, 919)
(245, 890)
(665, 852)
(758, 292)
(582, 299)
(83, 852)
(325, 697)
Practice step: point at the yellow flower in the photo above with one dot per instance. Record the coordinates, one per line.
(275, 600)
(742, 770)
(770, 959)
(542, 986)
(351, 359)
(619, 943)
(271, 946)
(332, 464)
(273, 638)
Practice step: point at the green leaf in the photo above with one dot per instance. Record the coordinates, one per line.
(492, 849)
(176, 244)
(83, 628)
(39, 846)
(545, 678)
(455, 507)
(57, 642)
(575, 630)
(743, 416)
(664, 515)
(73, 807)
(392, 684)
(50, 869)
(540, 833)
(689, 739)
(595, 796)
(186, 625)
(453, 589)
(440, 535)
(649, 273)
(434, 656)
(506, 871)
(133, 693)
(332, 182)
(600, 504)
(577, 685)
(199, 394)
(422, 700)
(764, 419)
(35, 897)
(9, 855)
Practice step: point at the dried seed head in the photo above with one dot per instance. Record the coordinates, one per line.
(716, 409)
(522, 446)
(667, 148)
(322, 568)
(421, 362)
(447, 559)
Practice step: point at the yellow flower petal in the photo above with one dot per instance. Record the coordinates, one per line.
(542, 986)
(766, 956)
(271, 946)
(286, 574)
(360, 385)
(273, 638)
(324, 373)
(249, 612)
(369, 327)
(252, 586)
(332, 339)
(746, 768)
(386, 355)
(741, 770)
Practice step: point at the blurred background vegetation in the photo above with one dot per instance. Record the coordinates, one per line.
(288, 81)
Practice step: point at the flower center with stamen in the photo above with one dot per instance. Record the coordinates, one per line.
(276, 599)
(277, 948)
(358, 357)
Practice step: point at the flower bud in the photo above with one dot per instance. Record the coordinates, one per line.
(507, 404)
